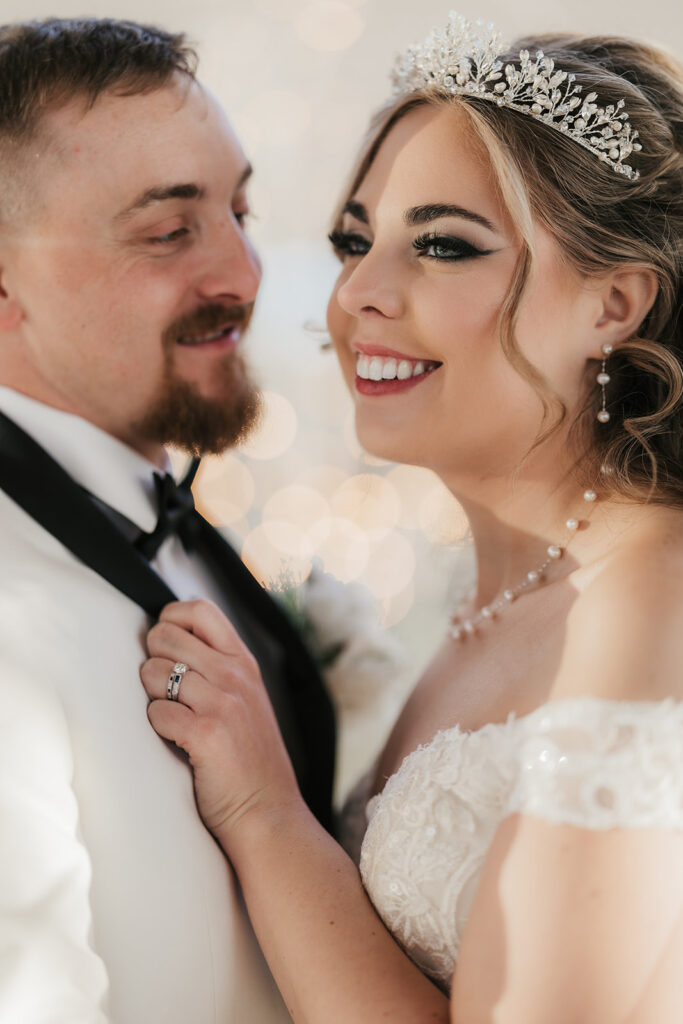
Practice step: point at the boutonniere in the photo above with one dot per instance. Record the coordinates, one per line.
(361, 663)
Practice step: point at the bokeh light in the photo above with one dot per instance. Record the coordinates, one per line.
(413, 484)
(342, 547)
(370, 501)
(225, 490)
(297, 504)
(391, 565)
(442, 518)
(276, 431)
(395, 608)
(325, 478)
(277, 552)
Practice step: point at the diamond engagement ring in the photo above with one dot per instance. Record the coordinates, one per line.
(174, 680)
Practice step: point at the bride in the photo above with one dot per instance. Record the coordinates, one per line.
(507, 314)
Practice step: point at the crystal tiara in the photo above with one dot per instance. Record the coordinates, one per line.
(462, 59)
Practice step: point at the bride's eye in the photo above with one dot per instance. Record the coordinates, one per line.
(447, 248)
(349, 243)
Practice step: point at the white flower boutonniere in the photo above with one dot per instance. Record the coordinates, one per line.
(361, 662)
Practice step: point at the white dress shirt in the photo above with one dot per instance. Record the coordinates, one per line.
(116, 904)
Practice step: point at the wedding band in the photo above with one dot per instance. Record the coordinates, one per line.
(174, 680)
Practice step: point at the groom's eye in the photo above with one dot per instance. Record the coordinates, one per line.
(349, 243)
(242, 216)
(169, 237)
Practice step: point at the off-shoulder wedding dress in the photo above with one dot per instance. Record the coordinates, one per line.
(422, 841)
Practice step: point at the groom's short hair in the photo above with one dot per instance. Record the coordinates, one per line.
(46, 64)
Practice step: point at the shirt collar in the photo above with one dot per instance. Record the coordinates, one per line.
(103, 465)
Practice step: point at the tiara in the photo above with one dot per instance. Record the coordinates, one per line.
(462, 59)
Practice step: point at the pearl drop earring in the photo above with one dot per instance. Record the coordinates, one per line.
(603, 379)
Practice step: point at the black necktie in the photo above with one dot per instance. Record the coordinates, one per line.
(176, 513)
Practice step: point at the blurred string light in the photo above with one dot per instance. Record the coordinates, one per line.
(276, 431)
(341, 545)
(412, 485)
(227, 489)
(427, 505)
(275, 551)
(370, 501)
(442, 520)
(362, 526)
(324, 478)
(391, 566)
(397, 607)
(296, 504)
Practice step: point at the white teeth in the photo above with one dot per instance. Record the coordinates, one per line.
(376, 368)
(208, 337)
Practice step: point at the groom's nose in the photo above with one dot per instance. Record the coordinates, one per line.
(231, 267)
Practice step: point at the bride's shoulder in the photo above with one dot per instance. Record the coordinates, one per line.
(624, 637)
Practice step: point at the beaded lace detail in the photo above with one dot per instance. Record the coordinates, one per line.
(592, 763)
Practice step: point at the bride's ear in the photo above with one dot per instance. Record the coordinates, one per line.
(11, 313)
(627, 296)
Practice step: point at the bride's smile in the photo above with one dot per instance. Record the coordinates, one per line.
(383, 372)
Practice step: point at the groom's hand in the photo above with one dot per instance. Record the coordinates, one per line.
(222, 718)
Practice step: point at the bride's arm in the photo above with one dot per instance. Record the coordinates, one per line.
(331, 956)
(572, 926)
(578, 916)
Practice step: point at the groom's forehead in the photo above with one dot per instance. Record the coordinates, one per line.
(118, 122)
(123, 145)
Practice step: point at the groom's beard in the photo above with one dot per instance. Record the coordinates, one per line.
(184, 418)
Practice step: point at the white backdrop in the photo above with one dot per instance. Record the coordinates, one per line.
(299, 80)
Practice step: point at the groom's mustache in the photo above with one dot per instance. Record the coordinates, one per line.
(207, 319)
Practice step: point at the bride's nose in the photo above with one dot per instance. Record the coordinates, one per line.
(372, 287)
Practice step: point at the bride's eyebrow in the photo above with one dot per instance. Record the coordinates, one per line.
(357, 210)
(433, 211)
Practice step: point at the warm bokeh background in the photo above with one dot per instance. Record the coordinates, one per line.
(299, 79)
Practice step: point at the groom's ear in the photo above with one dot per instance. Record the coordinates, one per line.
(11, 313)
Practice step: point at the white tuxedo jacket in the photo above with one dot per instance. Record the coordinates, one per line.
(116, 905)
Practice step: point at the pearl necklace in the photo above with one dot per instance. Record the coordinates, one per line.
(460, 629)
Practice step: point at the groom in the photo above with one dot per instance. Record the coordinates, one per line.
(127, 283)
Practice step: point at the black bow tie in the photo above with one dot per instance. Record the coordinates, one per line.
(176, 513)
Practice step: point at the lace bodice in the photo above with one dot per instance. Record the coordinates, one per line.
(592, 763)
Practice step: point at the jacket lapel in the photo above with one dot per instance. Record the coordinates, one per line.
(49, 495)
(311, 702)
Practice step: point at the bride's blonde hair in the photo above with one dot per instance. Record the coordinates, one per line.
(600, 220)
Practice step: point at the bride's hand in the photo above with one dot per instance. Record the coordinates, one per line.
(223, 717)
